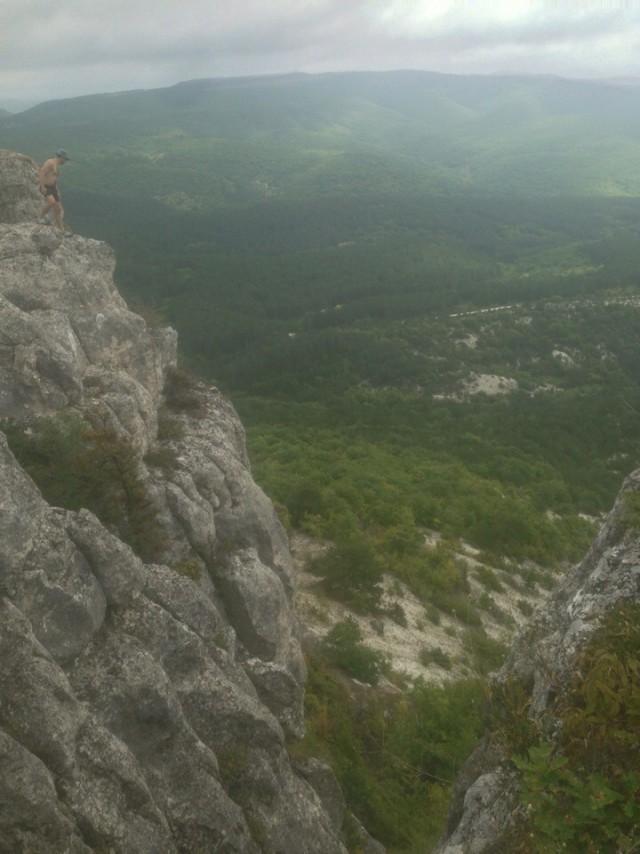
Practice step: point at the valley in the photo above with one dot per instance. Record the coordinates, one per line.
(421, 294)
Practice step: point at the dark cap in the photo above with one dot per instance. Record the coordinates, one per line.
(62, 152)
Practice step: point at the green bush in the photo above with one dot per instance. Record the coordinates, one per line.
(435, 655)
(443, 572)
(169, 427)
(305, 499)
(577, 809)
(343, 649)
(457, 606)
(190, 567)
(180, 392)
(161, 457)
(500, 617)
(487, 653)
(525, 607)
(395, 612)
(395, 754)
(581, 786)
(432, 614)
(351, 572)
(631, 516)
(488, 579)
(79, 464)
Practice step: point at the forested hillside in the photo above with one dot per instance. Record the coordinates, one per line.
(419, 290)
(329, 247)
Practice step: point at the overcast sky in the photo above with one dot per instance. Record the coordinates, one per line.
(52, 50)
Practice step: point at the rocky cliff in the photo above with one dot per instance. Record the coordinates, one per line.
(144, 706)
(486, 815)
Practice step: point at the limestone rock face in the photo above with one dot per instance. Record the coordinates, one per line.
(20, 198)
(64, 329)
(543, 658)
(143, 705)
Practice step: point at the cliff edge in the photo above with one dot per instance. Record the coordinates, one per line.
(144, 704)
(546, 691)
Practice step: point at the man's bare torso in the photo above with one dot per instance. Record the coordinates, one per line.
(49, 173)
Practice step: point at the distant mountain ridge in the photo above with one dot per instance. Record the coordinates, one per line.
(442, 133)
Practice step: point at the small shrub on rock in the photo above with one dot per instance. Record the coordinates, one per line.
(581, 785)
(180, 392)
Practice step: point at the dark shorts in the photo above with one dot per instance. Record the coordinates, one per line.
(51, 190)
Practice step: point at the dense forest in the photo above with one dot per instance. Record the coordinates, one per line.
(421, 293)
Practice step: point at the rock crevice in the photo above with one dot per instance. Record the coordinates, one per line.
(542, 660)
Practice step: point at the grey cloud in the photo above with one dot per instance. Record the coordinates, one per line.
(79, 33)
(84, 46)
(544, 30)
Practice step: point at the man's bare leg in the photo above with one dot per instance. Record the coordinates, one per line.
(56, 207)
(57, 213)
(46, 207)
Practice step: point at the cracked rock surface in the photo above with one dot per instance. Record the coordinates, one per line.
(141, 710)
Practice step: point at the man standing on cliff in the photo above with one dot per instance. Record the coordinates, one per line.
(49, 187)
